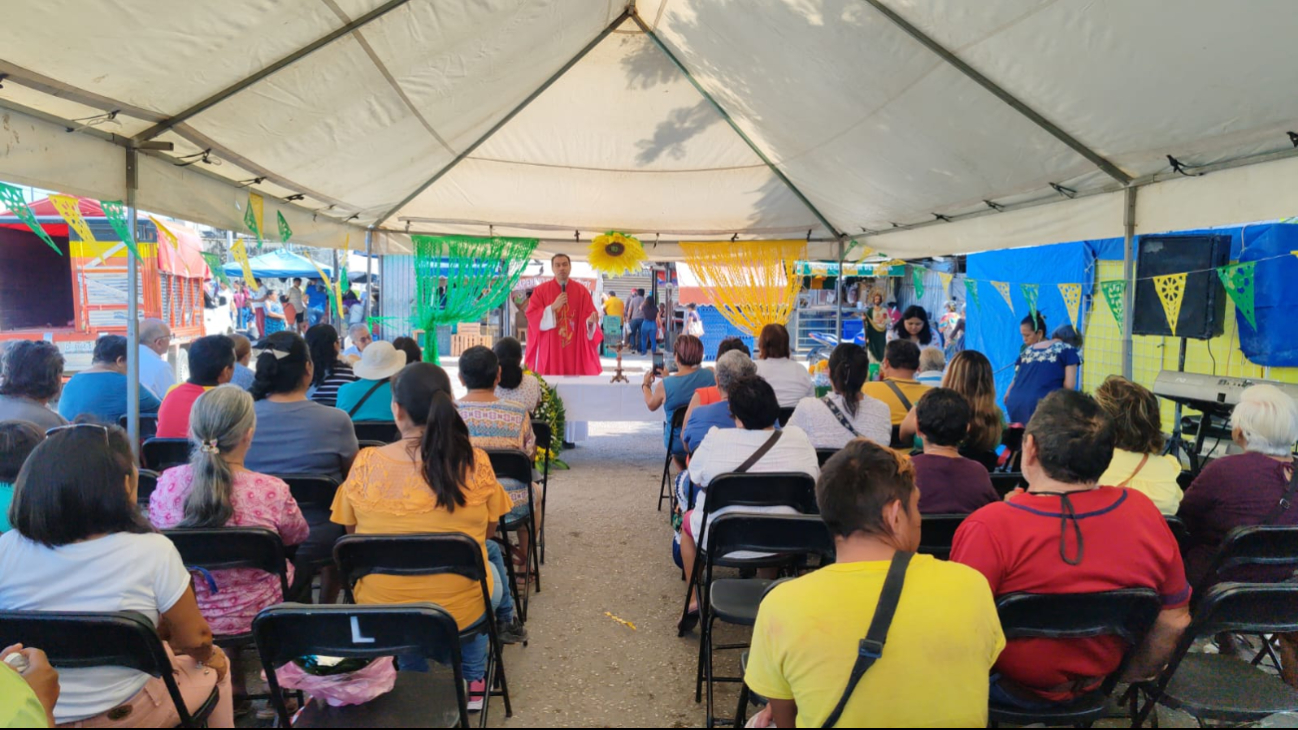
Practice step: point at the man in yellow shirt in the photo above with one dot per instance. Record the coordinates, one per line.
(614, 309)
(943, 639)
(899, 388)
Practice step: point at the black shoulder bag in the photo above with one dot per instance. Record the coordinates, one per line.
(905, 402)
(871, 647)
(758, 454)
(842, 419)
(1285, 500)
(352, 411)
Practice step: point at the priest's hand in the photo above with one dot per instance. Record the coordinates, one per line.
(593, 318)
(560, 302)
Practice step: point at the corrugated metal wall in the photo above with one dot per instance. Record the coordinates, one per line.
(396, 295)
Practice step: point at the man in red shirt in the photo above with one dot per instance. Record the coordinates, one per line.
(1068, 534)
(211, 363)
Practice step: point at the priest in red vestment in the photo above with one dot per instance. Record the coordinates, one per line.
(565, 322)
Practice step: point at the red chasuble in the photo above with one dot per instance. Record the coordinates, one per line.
(564, 350)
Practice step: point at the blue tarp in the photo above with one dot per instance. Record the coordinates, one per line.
(1275, 341)
(278, 264)
(993, 329)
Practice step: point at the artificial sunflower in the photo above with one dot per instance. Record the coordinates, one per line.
(615, 254)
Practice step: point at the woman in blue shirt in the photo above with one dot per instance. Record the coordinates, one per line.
(17, 440)
(1044, 366)
(676, 390)
(100, 391)
(370, 398)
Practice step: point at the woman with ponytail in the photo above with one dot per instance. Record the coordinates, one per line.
(215, 490)
(432, 480)
(515, 384)
(847, 413)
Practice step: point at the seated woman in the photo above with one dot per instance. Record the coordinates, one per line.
(296, 436)
(775, 364)
(675, 391)
(498, 424)
(31, 375)
(708, 396)
(1243, 489)
(1138, 459)
(433, 480)
(215, 490)
(330, 370)
(80, 543)
(370, 398)
(847, 413)
(731, 366)
(410, 347)
(515, 384)
(17, 440)
(755, 409)
(100, 390)
(970, 375)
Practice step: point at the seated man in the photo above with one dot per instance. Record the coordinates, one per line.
(808, 629)
(361, 338)
(898, 389)
(1068, 534)
(948, 482)
(211, 363)
(932, 366)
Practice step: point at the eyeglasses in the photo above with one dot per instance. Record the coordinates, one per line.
(56, 429)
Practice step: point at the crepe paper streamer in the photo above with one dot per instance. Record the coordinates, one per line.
(1030, 294)
(1238, 280)
(285, 233)
(624, 622)
(166, 234)
(338, 297)
(1171, 290)
(240, 254)
(1072, 294)
(252, 217)
(461, 278)
(1004, 288)
(866, 251)
(917, 277)
(344, 283)
(13, 199)
(66, 205)
(946, 281)
(616, 253)
(1114, 292)
(115, 212)
(258, 206)
(971, 289)
(214, 263)
(752, 283)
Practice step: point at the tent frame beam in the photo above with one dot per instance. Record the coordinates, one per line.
(463, 155)
(1012, 101)
(730, 121)
(290, 59)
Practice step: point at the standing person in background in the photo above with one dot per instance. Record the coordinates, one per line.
(155, 372)
(894, 314)
(317, 301)
(291, 313)
(299, 305)
(258, 303)
(274, 313)
(648, 324)
(775, 365)
(635, 316)
(32, 376)
(211, 363)
(913, 327)
(330, 370)
(243, 375)
(876, 323)
(239, 305)
(693, 322)
(1043, 367)
(100, 391)
(662, 323)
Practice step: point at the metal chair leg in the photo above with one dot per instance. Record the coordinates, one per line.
(741, 710)
(502, 537)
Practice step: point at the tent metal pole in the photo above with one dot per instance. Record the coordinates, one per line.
(369, 274)
(342, 316)
(290, 59)
(840, 293)
(1128, 275)
(1109, 168)
(729, 120)
(132, 311)
(508, 117)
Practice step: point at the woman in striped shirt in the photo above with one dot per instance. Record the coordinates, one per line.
(330, 371)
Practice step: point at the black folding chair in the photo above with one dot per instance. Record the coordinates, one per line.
(785, 415)
(514, 464)
(80, 640)
(382, 431)
(147, 484)
(823, 455)
(1127, 613)
(1012, 438)
(1219, 686)
(445, 553)
(314, 494)
(937, 533)
(1006, 482)
(735, 600)
(668, 492)
(162, 454)
(311, 490)
(436, 698)
(544, 440)
(366, 444)
(1179, 531)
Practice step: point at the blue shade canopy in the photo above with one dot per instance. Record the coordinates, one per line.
(279, 264)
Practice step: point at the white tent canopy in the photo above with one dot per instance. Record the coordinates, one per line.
(921, 126)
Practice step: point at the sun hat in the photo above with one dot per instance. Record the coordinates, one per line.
(379, 361)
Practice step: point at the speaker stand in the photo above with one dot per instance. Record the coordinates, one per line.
(1177, 444)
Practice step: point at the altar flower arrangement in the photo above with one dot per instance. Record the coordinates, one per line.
(550, 412)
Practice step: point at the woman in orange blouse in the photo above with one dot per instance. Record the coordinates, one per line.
(432, 480)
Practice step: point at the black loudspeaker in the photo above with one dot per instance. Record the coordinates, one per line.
(1203, 306)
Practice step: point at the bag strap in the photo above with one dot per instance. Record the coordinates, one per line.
(1285, 501)
(871, 647)
(1139, 466)
(352, 411)
(905, 402)
(759, 453)
(842, 419)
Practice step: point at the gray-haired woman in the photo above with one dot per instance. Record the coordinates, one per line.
(215, 490)
(731, 366)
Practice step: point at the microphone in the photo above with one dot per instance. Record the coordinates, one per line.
(563, 287)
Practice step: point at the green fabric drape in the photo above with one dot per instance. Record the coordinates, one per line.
(461, 278)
